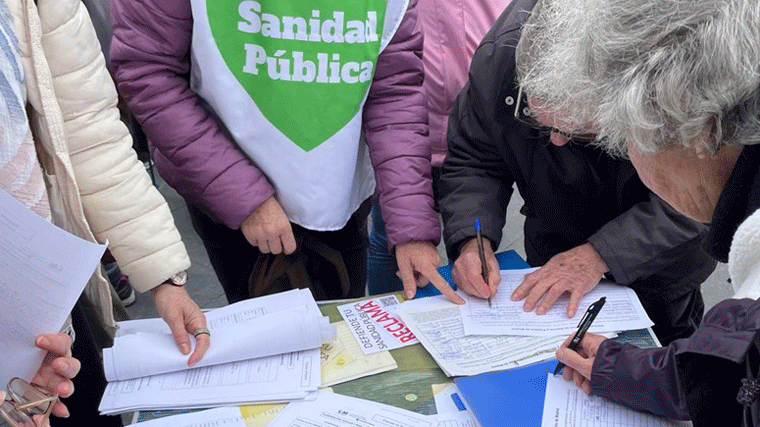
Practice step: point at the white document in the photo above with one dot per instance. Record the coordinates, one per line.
(375, 325)
(438, 325)
(281, 378)
(335, 410)
(265, 326)
(622, 311)
(228, 416)
(43, 270)
(566, 405)
(454, 419)
(238, 417)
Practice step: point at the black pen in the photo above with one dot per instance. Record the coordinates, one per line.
(583, 326)
(482, 253)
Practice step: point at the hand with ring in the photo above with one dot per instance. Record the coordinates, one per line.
(184, 318)
(201, 331)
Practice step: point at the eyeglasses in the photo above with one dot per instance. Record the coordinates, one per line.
(525, 115)
(26, 400)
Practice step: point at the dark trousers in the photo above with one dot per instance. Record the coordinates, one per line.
(232, 257)
(90, 383)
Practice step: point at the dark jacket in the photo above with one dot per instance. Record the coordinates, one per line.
(697, 378)
(573, 194)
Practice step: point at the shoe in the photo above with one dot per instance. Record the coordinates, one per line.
(124, 290)
(120, 283)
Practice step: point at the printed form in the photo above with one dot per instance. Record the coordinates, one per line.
(278, 378)
(437, 323)
(566, 405)
(225, 416)
(43, 270)
(272, 325)
(240, 331)
(622, 311)
(260, 416)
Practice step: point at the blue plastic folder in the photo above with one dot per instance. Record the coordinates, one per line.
(508, 260)
(513, 397)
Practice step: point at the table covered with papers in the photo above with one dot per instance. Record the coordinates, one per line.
(413, 377)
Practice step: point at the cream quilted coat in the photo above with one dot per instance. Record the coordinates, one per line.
(744, 258)
(98, 188)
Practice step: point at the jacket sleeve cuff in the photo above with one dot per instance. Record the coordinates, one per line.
(604, 367)
(606, 251)
(641, 379)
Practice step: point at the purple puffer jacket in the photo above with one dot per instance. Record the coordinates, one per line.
(150, 58)
(695, 378)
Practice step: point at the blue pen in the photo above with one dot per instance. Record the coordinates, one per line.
(482, 253)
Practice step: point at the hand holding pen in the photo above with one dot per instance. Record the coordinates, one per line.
(467, 270)
(583, 325)
(482, 255)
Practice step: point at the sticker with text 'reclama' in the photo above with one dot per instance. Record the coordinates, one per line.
(375, 324)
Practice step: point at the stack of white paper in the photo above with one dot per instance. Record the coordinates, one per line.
(281, 378)
(475, 338)
(437, 323)
(327, 410)
(263, 350)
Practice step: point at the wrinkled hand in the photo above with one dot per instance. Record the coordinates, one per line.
(418, 264)
(576, 271)
(57, 369)
(269, 229)
(578, 363)
(467, 272)
(183, 316)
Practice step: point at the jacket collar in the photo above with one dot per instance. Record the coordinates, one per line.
(739, 199)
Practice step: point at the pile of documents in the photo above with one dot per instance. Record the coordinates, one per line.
(265, 349)
(476, 338)
(327, 409)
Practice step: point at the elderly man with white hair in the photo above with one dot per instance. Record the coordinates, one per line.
(674, 86)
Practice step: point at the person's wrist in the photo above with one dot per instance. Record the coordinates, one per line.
(601, 265)
(178, 279)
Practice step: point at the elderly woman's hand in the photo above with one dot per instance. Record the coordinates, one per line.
(183, 316)
(57, 369)
(418, 264)
(578, 363)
